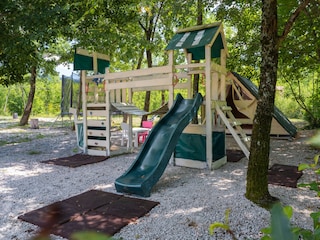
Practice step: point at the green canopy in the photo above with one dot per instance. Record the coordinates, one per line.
(85, 62)
(195, 39)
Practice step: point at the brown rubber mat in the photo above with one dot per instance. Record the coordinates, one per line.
(234, 155)
(93, 210)
(76, 160)
(284, 175)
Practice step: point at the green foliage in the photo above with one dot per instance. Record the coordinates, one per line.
(280, 225)
(89, 235)
(314, 185)
(315, 140)
(223, 225)
(46, 101)
(281, 229)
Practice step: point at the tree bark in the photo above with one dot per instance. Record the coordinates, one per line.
(28, 108)
(148, 93)
(257, 175)
(196, 77)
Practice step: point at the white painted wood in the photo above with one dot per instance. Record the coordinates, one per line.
(96, 133)
(84, 110)
(90, 54)
(219, 163)
(236, 137)
(97, 123)
(208, 98)
(94, 152)
(108, 123)
(155, 81)
(190, 163)
(137, 73)
(96, 113)
(97, 143)
(95, 105)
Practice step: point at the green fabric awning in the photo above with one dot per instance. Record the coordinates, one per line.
(82, 62)
(196, 40)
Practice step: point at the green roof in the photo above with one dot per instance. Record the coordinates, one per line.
(277, 114)
(196, 38)
(83, 60)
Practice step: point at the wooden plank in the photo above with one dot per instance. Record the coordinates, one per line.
(209, 113)
(96, 133)
(139, 84)
(96, 113)
(190, 66)
(217, 68)
(94, 152)
(150, 88)
(190, 163)
(97, 123)
(138, 72)
(97, 143)
(96, 105)
(90, 54)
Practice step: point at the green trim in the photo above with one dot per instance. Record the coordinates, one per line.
(81, 62)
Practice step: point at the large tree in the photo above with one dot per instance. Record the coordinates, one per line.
(257, 181)
(29, 28)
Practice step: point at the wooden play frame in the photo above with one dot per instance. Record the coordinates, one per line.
(118, 87)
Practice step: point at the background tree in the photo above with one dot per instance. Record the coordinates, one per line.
(257, 181)
(29, 29)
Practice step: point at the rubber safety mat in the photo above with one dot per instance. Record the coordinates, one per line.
(284, 175)
(76, 160)
(234, 155)
(90, 211)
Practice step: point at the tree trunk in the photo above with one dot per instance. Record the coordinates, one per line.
(196, 77)
(148, 93)
(27, 110)
(257, 175)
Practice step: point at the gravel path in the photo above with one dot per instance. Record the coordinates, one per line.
(190, 199)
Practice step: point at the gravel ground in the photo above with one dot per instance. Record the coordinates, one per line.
(190, 199)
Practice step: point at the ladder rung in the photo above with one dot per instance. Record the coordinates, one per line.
(226, 108)
(236, 123)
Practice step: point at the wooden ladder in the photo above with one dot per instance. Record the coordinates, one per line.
(234, 127)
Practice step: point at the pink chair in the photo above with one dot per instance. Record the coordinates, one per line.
(142, 136)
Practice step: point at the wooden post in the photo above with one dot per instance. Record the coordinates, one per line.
(223, 75)
(171, 86)
(84, 111)
(208, 106)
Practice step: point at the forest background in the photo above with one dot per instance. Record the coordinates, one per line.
(135, 33)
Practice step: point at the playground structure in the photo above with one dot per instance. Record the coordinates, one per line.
(204, 43)
(242, 96)
(199, 145)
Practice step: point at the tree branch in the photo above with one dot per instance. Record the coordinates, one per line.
(157, 18)
(289, 24)
(143, 27)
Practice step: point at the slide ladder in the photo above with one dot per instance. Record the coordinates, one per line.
(234, 127)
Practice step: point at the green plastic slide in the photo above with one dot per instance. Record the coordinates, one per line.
(156, 151)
